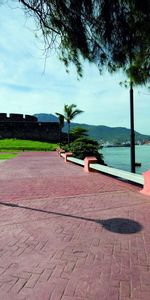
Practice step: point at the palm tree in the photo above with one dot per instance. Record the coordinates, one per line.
(70, 112)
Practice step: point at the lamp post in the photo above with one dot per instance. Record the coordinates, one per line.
(132, 133)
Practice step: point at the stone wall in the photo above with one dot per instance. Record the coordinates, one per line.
(18, 126)
(17, 118)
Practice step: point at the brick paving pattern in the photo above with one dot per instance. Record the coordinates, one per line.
(69, 235)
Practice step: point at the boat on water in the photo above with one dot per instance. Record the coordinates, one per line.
(138, 164)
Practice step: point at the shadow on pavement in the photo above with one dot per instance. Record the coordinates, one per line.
(121, 225)
(117, 225)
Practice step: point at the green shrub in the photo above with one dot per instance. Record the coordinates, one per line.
(84, 147)
(78, 132)
(66, 147)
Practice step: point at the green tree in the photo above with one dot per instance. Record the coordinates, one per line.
(109, 33)
(70, 112)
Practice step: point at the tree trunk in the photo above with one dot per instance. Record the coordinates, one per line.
(69, 133)
(59, 136)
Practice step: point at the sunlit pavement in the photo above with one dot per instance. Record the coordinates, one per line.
(70, 235)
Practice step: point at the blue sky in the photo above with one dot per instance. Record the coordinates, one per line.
(28, 87)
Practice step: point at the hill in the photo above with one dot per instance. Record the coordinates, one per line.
(46, 118)
(99, 132)
(111, 134)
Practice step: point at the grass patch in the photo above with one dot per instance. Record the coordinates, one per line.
(7, 155)
(25, 145)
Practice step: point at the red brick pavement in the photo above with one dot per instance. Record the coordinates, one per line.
(69, 235)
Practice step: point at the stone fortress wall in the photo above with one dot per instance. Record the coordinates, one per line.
(27, 127)
(17, 118)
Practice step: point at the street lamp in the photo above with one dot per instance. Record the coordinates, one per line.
(132, 133)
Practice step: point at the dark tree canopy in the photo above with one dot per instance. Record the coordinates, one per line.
(111, 33)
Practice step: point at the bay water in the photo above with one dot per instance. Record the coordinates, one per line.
(119, 157)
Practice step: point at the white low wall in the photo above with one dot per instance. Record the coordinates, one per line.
(137, 178)
(108, 170)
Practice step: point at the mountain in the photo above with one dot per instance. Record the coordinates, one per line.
(99, 132)
(110, 134)
(46, 118)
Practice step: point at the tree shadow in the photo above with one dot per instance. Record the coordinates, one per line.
(121, 225)
(117, 225)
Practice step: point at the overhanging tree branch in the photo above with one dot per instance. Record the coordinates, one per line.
(39, 13)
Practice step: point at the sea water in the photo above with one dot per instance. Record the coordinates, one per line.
(119, 157)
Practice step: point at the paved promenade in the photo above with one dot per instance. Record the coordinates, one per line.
(70, 235)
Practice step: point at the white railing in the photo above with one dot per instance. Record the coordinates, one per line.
(137, 178)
